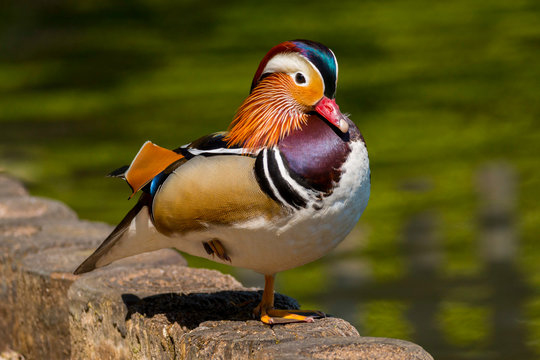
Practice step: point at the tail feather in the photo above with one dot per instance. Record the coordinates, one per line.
(91, 262)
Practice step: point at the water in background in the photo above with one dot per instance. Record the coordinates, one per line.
(446, 95)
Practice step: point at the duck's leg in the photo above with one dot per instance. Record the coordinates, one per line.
(269, 315)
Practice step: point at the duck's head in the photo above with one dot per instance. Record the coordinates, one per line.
(294, 79)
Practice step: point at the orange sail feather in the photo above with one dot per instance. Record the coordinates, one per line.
(149, 162)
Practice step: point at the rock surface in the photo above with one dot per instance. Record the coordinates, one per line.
(248, 339)
(359, 348)
(147, 306)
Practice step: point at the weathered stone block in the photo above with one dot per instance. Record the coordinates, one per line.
(29, 224)
(128, 311)
(40, 315)
(358, 348)
(246, 339)
(20, 240)
(25, 209)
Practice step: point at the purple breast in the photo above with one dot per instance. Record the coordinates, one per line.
(316, 153)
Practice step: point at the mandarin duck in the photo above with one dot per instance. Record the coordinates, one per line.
(282, 187)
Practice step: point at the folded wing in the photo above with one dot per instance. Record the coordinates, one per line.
(190, 189)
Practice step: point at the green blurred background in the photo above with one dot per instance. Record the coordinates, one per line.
(445, 93)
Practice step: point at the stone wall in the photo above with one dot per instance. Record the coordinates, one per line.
(147, 306)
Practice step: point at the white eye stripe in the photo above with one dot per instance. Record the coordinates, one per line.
(289, 63)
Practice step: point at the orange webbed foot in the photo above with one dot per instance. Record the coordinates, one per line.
(268, 315)
(279, 316)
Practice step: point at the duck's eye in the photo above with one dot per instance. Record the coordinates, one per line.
(300, 78)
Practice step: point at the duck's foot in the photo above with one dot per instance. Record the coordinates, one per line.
(278, 316)
(270, 316)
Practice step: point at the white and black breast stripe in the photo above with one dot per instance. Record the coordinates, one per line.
(275, 180)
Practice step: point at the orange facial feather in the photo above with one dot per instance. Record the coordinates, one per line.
(268, 114)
